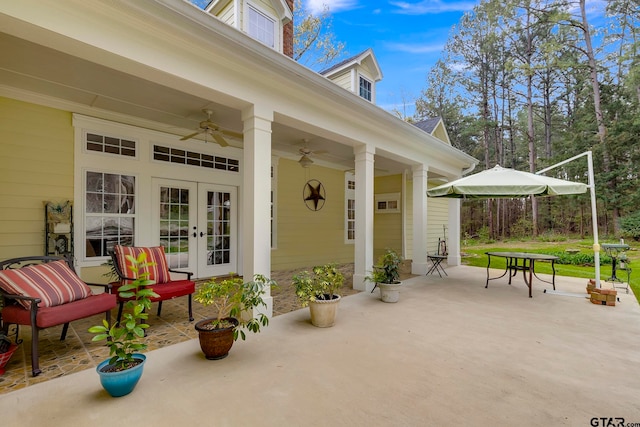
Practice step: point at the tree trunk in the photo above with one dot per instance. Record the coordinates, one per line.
(602, 129)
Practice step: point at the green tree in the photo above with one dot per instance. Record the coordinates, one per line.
(314, 42)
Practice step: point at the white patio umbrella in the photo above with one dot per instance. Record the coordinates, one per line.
(501, 182)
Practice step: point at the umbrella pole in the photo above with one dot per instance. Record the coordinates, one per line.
(594, 214)
(594, 219)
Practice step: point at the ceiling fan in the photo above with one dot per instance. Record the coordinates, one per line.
(209, 128)
(305, 161)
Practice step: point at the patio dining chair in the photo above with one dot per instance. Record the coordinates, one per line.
(437, 258)
(165, 286)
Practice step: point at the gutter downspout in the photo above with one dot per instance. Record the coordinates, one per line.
(469, 169)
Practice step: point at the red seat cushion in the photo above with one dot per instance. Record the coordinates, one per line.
(54, 283)
(158, 272)
(52, 316)
(166, 291)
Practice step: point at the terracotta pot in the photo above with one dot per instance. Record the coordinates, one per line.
(4, 357)
(323, 312)
(215, 343)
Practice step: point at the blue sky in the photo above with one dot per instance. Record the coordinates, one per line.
(407, 38)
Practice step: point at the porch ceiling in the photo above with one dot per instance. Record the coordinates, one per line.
(82, 86)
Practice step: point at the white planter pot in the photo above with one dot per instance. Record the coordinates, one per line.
(390, 292)
(323, 312)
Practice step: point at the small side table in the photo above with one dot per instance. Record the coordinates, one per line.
(436, 260)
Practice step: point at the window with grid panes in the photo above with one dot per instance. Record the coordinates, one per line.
(261, 27)
(109, 212)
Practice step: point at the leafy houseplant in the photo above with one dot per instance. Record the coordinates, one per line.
(233, 299)
(318, 290)
(386, 275)
(124, 338)
(387, 270)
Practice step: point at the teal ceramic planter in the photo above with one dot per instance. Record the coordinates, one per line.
(123, 382)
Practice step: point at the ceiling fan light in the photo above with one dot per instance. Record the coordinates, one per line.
(305, 161)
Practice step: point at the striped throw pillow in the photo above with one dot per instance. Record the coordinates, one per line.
(158, 272)
(54, 283)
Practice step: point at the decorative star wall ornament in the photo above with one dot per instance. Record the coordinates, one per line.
(314, 195)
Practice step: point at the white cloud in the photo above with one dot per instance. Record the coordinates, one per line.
(432, 6)
(415, 47)
(317, 6)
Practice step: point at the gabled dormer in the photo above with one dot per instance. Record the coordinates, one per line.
(358, 74)
(268, 21)
(435, 127)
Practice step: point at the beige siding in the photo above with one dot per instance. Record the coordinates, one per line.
(343, 80)
(366, 72)
(440, 133)
(305, 237)
(227, 15)
(387, 227)
(36, 164)
(265, 5)
(437, 217)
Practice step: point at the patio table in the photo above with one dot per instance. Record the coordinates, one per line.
(528, 265)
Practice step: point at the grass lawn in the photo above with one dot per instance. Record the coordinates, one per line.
(473, 253)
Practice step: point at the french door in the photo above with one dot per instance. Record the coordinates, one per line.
(197, 222)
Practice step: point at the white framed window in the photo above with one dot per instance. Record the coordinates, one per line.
(261, 26)
(366, 89)
(109, 214)
(387, 203)
(350, 207)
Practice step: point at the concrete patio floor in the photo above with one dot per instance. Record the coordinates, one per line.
(450, 352)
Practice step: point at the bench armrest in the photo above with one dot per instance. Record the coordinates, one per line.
(22, 297)
(188, 273)
(106, 287)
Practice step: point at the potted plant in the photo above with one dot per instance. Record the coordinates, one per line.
(121, 372)
(318, 290)
(385, 275)
(7, 348)
(234, 301)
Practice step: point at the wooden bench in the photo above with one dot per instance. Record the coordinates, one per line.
(45, 291)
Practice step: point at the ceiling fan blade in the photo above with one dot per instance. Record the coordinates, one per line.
(184, 138)
(220, 139)
(319, 152)
(233, 134)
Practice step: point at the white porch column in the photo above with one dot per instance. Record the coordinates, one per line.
(364, 217)
(419, 264)
(453, 239)
(256, 196)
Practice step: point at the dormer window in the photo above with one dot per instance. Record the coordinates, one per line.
(261, 27)
(365, 88)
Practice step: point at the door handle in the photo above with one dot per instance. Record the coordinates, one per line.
(201, 234)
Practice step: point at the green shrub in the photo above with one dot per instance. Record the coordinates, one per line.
(552, 236)
(522, 228)
(581, 258)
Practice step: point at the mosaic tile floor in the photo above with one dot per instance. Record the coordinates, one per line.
(77, 352)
